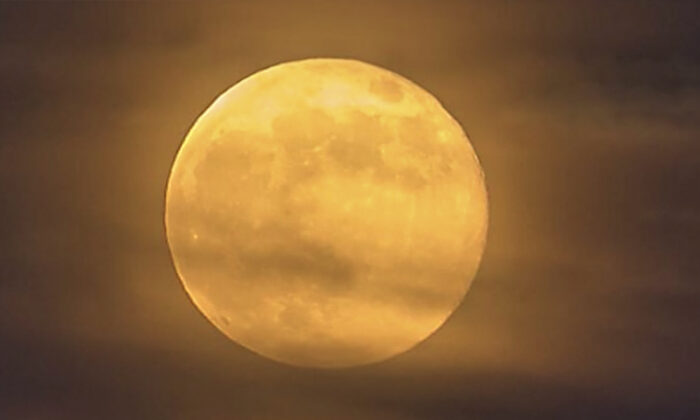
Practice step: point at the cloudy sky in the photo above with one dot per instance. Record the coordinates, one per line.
(585, 115)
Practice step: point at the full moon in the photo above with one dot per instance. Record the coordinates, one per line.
(326, 213)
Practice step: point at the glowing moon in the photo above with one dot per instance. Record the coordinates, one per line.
(326, 213)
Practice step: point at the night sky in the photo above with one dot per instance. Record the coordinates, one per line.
(586, 118)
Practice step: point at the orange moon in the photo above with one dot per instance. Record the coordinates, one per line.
(326, 213)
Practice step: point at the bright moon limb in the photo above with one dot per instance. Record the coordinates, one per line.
(326, 213)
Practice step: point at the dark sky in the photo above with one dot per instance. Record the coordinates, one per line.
(586, 116)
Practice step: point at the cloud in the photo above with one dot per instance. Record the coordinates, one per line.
(585, 119)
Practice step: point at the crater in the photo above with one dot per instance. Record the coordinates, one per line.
(386, 89)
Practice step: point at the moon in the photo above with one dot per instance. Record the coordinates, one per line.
(326, 213)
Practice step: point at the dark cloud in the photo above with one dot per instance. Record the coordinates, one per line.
(585, 117)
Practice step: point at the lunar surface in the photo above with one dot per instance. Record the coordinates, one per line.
(326, 213)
